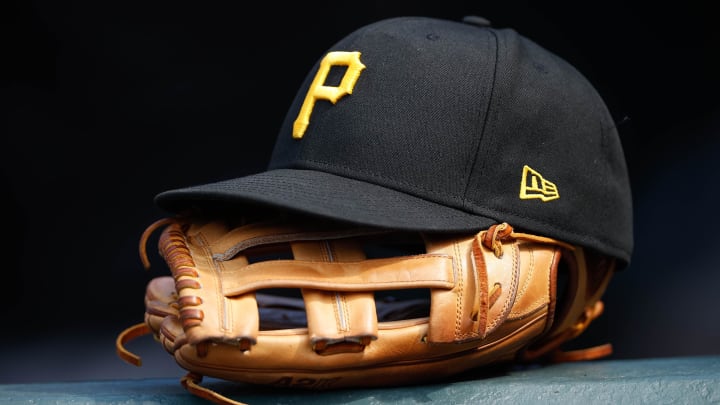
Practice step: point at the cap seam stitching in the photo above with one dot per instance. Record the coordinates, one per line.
(485, 122)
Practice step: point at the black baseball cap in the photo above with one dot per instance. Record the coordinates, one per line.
(433, 125)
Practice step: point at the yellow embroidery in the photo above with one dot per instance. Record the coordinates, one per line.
(533, 185)
(318, 90)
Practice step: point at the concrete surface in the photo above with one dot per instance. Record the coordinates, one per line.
(680, 380)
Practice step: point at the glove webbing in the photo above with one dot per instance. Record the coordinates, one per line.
(354, 324)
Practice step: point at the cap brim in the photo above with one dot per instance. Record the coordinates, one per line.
(329, 196)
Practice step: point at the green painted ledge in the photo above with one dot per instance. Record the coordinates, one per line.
(679, 380)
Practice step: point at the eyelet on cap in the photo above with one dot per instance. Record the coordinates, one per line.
(476, 20)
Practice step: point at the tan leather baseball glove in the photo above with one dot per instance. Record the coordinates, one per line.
(322, 306)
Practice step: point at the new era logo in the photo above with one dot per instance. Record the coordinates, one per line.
(533, 185)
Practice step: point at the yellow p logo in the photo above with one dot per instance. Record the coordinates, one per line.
(318, 90)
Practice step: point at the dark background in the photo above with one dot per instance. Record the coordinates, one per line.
(104, 104)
